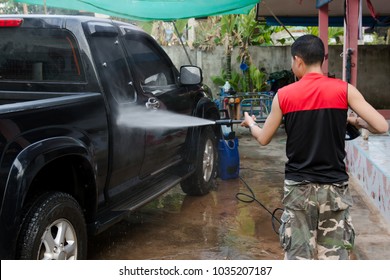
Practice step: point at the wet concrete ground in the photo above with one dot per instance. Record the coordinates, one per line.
(215, 226)
(220, 225)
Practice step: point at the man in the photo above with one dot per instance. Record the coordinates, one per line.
(316, 223)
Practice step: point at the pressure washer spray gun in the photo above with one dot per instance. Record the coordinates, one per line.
(227, 129)
(230, 121)
(226, 120)
(351, 131)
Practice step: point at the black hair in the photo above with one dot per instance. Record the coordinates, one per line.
(309, 48)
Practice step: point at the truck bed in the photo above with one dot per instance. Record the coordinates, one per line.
(18, 101)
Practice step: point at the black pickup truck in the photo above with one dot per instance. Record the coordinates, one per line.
(68, 168)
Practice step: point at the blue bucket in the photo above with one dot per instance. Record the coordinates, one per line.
(229, 159)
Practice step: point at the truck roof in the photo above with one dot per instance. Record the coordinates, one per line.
(59, 21)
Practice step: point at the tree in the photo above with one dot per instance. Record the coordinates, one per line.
(243, 31)
(334, 33)
(228, 26)
(12, 7)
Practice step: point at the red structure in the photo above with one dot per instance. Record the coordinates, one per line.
(351, 14)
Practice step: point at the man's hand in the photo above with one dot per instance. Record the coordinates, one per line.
(248, 120)
(357, 121)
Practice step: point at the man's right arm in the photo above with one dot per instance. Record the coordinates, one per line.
(264, 135)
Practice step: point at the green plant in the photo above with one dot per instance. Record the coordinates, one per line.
(258, 79)
(234, 80)
(334, 33)
(208, 34)
(12, 7)
(239, 82)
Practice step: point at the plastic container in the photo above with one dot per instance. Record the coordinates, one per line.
(229, 159)
(226, 87)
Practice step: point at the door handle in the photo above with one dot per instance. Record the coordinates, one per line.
(152, 103)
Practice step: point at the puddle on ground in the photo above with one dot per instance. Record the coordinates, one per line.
(215, 226)
(176, 226)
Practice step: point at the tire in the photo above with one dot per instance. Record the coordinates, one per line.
(53, 229)
(202, 181)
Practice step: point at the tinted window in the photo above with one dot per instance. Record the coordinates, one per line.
(110, 61)
(39, 55)
(154, 70)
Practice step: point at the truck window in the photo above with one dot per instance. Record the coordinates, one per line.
(111, 63)
(39, 55)
(154, 70)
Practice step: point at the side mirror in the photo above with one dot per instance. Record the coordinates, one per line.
(190, 75)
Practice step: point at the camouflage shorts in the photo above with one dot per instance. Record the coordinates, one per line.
(316, 223)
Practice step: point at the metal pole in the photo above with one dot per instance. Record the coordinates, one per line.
(323, 20)
(181, 41)
(351, 33)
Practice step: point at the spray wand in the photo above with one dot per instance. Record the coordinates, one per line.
(230, 121)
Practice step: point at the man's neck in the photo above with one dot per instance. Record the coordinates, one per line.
(313, 69)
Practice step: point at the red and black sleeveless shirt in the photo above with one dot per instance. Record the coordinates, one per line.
(315, 113)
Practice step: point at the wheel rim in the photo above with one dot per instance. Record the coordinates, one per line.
(208, 160)
(59, 242)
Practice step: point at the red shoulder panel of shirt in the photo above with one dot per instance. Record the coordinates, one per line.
(313, 92)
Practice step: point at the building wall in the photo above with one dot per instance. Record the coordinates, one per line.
(373, 66)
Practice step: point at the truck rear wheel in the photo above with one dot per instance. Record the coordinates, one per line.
(54, 229)
(201, 182)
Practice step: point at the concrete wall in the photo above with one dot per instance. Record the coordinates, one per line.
(373, 66)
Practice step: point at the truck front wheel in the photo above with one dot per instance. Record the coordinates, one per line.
(201, 181)
(53, 229)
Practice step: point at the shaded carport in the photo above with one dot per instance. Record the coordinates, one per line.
(147, 10)
(351, 14)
